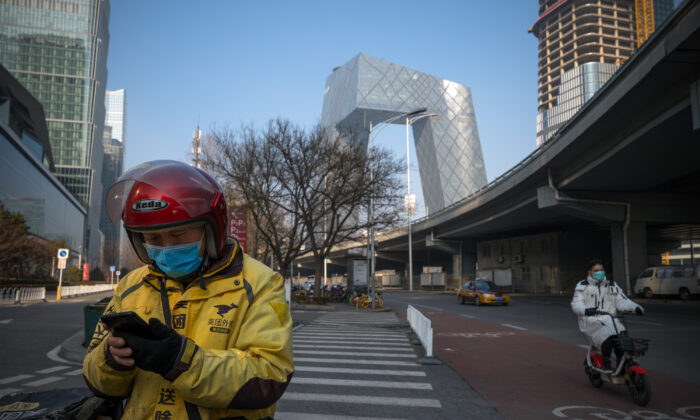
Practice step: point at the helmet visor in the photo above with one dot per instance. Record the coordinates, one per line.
(183, 183)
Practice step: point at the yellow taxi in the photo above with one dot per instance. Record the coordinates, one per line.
(481, 291)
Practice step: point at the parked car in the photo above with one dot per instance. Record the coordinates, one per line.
(481, 291)
(681, 280)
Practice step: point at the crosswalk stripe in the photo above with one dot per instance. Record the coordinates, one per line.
(347, 331)
(15, 379)
(355, 361)
(364, 384)
(359, 371)
(346, 353)
(363, 342)
(363, 399)
(53, 369)
(282, 415)
(375, 338)
(74, 372)
(6, 391)
(319, 346)
(44, 381)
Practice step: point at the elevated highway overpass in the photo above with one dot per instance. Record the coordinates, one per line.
(620, 181)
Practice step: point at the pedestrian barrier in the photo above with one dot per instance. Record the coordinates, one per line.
(421, 325)
(22, 294)
(84, 290)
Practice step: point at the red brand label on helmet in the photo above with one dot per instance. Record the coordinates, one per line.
(149, 205)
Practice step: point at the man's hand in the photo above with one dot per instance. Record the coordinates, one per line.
(590, 311)
(157, 354)
(639, 310)
(118, 354)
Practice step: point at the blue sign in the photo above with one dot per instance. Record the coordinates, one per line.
(112, 268)
(62, 253)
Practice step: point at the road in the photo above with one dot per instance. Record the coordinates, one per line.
(526, 358)
(31, 335)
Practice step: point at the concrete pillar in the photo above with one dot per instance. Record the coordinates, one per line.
(636, 253)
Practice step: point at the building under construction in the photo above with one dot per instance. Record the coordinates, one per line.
(581, 45)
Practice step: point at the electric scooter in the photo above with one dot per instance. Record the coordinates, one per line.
(627, 372)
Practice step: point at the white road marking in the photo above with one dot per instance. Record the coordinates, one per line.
(53, 354)
(53, 369)
(344, 347)
(448, 349)
(513, 326)
(282, 415)
(363, 399)
(74, 372)
(467, 316)
(6, 391)
(367, 384)
(44, 381)
(5, 321)
(348, 353)
(583, 346)
(360, 371)
(15, 379)
(355, 361)
(375, 337)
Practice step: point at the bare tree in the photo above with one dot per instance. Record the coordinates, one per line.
(307, 188)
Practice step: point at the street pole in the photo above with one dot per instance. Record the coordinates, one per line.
(111, 279)
(371, 216)
(60, 280)
(408, 210)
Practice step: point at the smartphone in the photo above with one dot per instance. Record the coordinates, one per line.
(128, 322)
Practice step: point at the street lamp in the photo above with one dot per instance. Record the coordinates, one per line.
(410, 121)
(371, 201)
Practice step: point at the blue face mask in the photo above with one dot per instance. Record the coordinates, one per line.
(178, 260)
(599, 275)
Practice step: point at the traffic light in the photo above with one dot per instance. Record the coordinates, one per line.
(665, 259)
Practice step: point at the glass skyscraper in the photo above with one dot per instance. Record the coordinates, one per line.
(58, 50)
(114, 142)
(367, 89)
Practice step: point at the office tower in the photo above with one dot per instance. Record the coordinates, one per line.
(367, 89)
(58, 50)
(114, 142)
(650, 15)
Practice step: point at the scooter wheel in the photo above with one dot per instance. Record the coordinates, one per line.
(639, 388)
(593, 377)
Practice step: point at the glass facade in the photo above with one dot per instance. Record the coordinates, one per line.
(58, 50)
(113, 141)
(577, 86)
(50, 211)
(367, 89)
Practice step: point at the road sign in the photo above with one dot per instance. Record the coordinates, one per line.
(112, 268)
(61, 263)
(119, 273)
(63, 253)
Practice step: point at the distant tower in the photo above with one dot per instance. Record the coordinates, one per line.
(196, 148)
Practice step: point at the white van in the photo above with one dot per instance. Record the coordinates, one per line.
(681, 280)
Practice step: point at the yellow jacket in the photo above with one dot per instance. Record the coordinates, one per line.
(237, 359)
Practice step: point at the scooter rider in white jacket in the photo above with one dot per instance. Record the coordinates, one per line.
(597, 293)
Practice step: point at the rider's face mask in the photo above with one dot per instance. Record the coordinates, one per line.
(178, 260)
(599, 275)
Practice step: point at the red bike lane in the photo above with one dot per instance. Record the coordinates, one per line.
(526, 376)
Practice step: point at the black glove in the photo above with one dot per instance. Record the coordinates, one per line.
(639, 311)
(590, 311)
(157, 353)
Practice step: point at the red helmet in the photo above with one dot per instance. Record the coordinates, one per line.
(166, 193)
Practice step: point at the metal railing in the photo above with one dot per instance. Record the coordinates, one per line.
(84, 290)
(22, 294)
(421, 325)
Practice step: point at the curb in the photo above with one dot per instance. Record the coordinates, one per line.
(72, 348)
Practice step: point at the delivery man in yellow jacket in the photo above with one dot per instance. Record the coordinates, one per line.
(220, 343)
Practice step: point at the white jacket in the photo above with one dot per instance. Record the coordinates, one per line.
(605, 296)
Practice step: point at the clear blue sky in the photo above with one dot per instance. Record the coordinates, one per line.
(241, 62)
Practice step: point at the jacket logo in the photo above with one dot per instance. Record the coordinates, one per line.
(179, 321)
(221, 310)
(147, 205)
